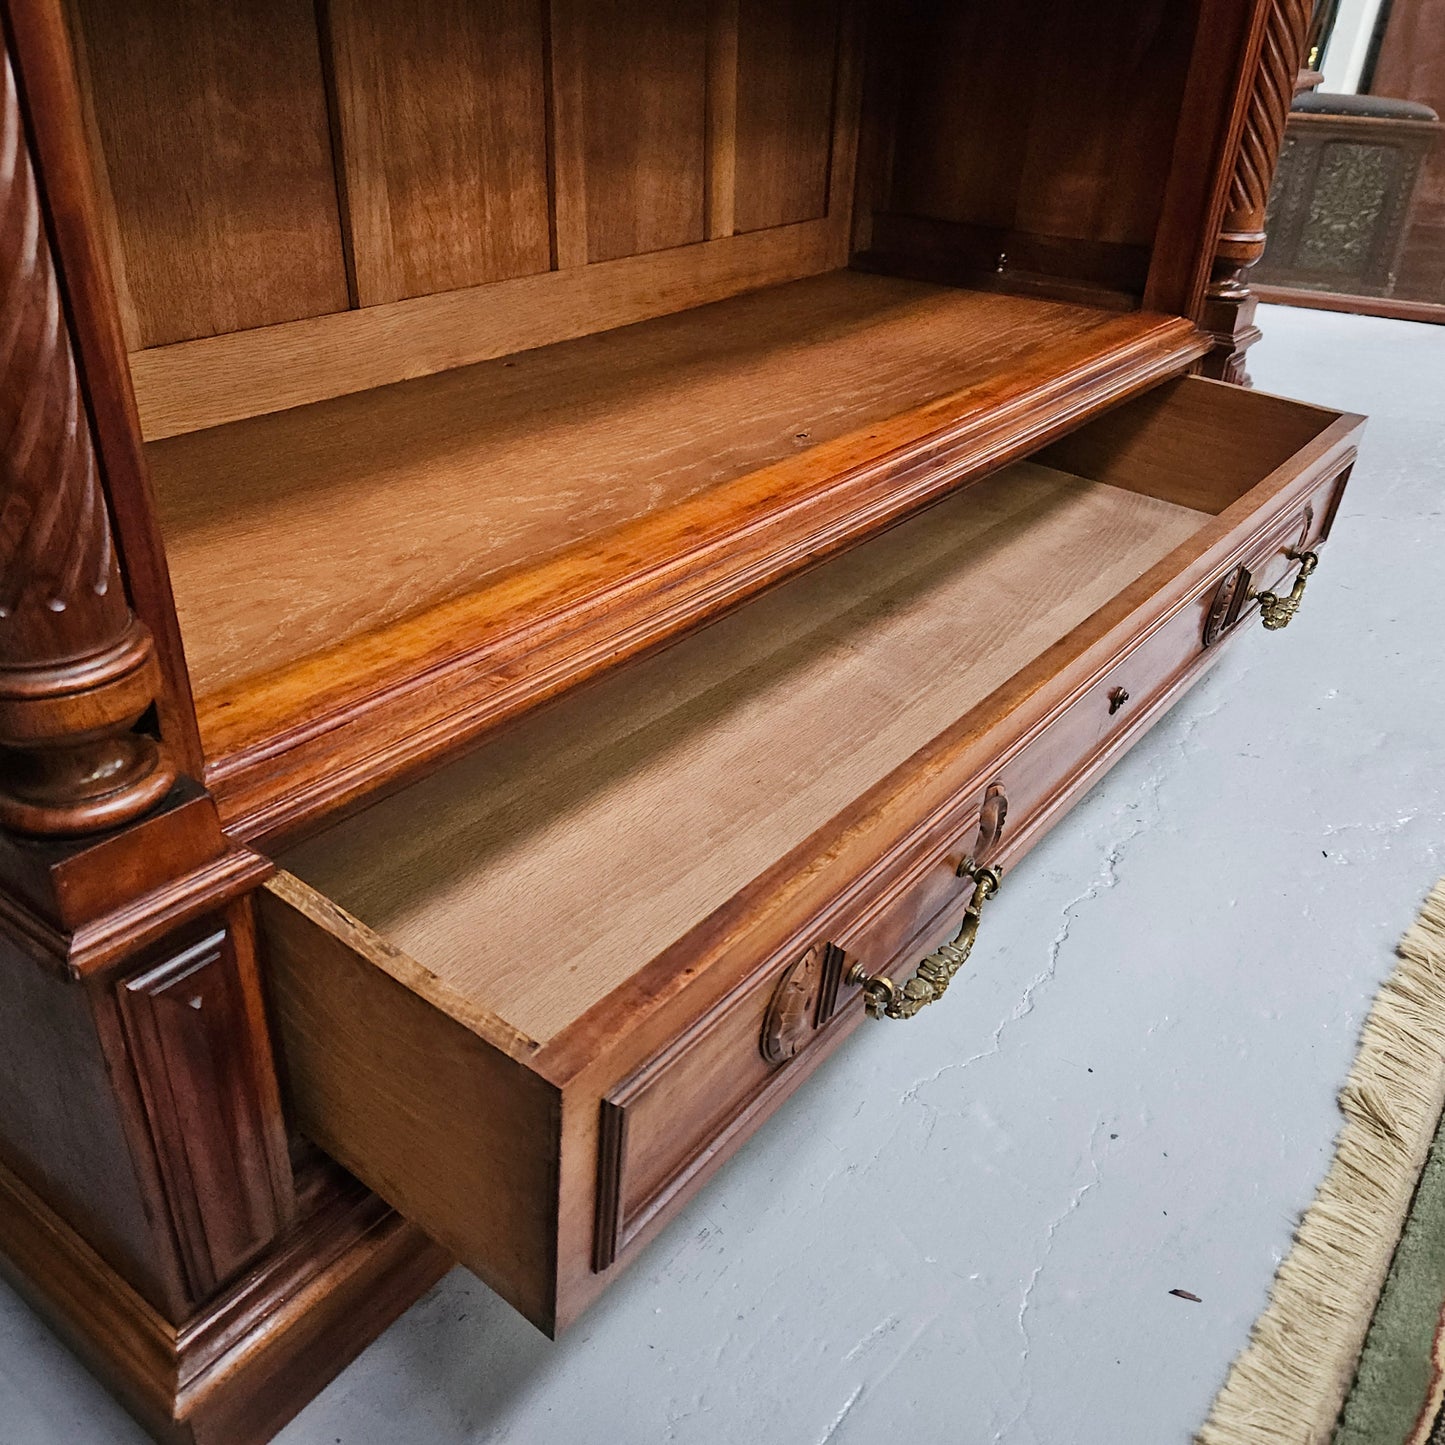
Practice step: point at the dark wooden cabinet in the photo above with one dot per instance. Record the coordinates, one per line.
(551, 555)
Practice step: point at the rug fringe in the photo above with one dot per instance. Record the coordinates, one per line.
(1288, 1385)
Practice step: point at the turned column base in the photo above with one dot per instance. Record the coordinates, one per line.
(71, 762)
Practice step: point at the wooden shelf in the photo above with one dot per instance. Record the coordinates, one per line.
(380, 576)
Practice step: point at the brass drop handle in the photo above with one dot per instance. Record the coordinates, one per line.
(1278, 612)
(884, 999)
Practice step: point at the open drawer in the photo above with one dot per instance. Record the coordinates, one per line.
(536, 997)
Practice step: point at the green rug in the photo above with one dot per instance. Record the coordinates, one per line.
(1398, 1397)
(1309, 1350)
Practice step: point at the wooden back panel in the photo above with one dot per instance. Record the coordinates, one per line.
(215, 144)
(1015, 130)
(266, 169)
(441, 142)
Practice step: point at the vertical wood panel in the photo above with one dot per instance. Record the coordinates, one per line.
(961, 123)
(105, 201)
(65, 1131)
(204, 1068)
(1107, 95)
(568, 141)
(645, 145)
(1051, 119)
(787, 64)
(722, 118)
(217, 149)
(442, 142)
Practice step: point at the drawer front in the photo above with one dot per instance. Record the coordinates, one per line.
(686, 1108)
(692, 1102)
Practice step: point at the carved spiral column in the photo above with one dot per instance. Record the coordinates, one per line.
(77, 669)
(1229, 306)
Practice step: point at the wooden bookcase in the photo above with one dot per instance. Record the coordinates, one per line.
(714, 478)
(489, 256)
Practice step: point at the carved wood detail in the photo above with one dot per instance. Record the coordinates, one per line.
(203, 1067)
(792, 1012)
(77, 669)
(1229, 306)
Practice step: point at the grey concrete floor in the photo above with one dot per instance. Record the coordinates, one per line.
(966, 1230)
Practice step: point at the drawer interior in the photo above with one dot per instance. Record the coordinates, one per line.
(539, 873)
(517, 894)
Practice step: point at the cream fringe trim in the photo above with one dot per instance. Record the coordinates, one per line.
(1288, 1385)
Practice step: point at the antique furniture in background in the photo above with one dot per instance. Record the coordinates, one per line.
(1341, 209)
(1410, 63)
(722, 476)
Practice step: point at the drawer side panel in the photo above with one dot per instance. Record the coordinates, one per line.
(442, 1124)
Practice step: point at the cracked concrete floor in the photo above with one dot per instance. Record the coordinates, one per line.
(967, 1230)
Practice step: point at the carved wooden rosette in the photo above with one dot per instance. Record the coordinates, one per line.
(77, 669)
(1229, 306)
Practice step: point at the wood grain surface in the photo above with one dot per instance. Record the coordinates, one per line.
(442, 142)
(536, 875)
(218, 156)
(786, 68)
(220, 379)
(290, 533)
(1059, 116)
(644, 145)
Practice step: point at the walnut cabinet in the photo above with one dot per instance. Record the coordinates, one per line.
(554, 553)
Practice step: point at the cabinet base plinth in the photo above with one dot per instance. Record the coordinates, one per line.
(237, 1371)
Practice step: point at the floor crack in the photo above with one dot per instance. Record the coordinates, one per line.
(1026, 1298)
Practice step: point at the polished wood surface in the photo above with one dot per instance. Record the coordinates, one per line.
(77, 668)
(346, 516)
(444, 185)
(591, 812)
(195, 385)
(217, 157)
(62, 140)
(704, 460)
(784, 98)
(1052, 111)
(496, 1139)
(68, 1133)
(1190, 444)
(473, 150)
(415, 912)
(1229, 311)
(236, 1371)
(391, 252)
(221, 379)
(214, 1109)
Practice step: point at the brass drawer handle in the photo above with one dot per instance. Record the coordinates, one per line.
(884, 999)
(1278, 612)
